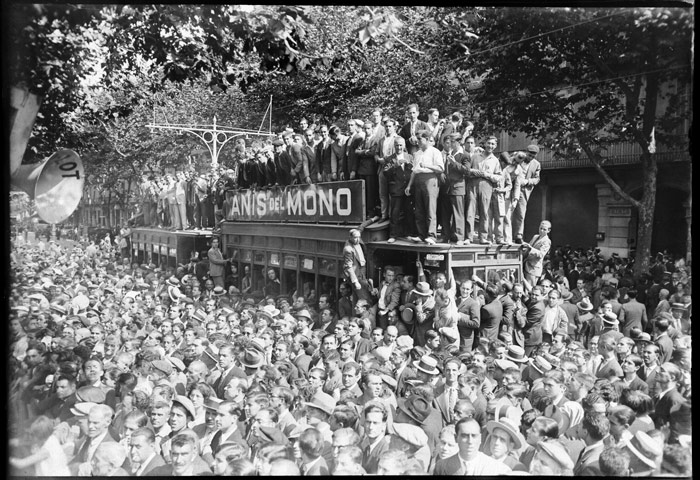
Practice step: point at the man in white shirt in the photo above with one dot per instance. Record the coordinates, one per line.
(469, 460)
(488, 170)
(428, 164)
(385, 150)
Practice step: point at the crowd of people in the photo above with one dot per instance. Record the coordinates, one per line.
(117, 368)
(417, 175)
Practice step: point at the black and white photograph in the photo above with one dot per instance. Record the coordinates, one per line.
(314, 240)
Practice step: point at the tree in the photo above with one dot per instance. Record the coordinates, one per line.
(360, 58)
(583, 80)
(65, 53)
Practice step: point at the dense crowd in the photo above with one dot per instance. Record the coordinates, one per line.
(417, 175)
(125, 369)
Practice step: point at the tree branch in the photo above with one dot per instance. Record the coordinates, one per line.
(393, 35)
(613, 184)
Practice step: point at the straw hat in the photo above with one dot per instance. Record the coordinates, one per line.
(422, 289)
(585, 305)
(506, 424)
(427, 364)
(516, 354)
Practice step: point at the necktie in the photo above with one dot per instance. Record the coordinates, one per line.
(84, 450)
(413, 129)
(468, 468)
(452, 397)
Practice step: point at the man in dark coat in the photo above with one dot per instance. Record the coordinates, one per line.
(491, 314)
(532, 332)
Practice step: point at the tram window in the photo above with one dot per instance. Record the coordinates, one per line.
(308, 288)
(272, 285)
(327, 286)
(289, 280)
(462, 273)
(246, 280)
(480, 272)
(495, 275)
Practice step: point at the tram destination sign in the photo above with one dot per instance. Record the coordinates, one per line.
(331, 202)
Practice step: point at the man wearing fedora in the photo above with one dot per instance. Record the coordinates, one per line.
(423, 311)
(504, 441)
(571, 310)
(586, 317)
(644, 452)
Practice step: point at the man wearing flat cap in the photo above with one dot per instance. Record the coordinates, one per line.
(527, 180)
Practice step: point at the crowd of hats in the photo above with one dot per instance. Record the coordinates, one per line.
(75, 291)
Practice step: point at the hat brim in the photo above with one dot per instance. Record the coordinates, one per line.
(315, 405)
(647, 461)
(417, 292)
(580, 307)
(516, 360)
(416, 363)
(402, 407)
(514, 435)
(254, 365)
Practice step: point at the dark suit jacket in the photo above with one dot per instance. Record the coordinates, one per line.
(318, 468)
(508, 309)
(370, 461)
(407, 373)
(235, 437)
(469, 321)
(533, 325)
(54, 407)
(571, 311)
(155, 462)
(398, 177)
(491, 315)
(447, 467)
(405, 132)
(392, 295)
(587, 464)
(323, 157)
(632, 314)
(362, 346)
(200, 468)
(665, 348)
(353, 144)
(636, 384)
(441, 404)
(650, 380)
(221, 382)
(611, 368)
(666, 408)
(455, 171)
(81, 453)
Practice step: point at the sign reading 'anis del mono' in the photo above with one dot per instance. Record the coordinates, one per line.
(333, 202)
